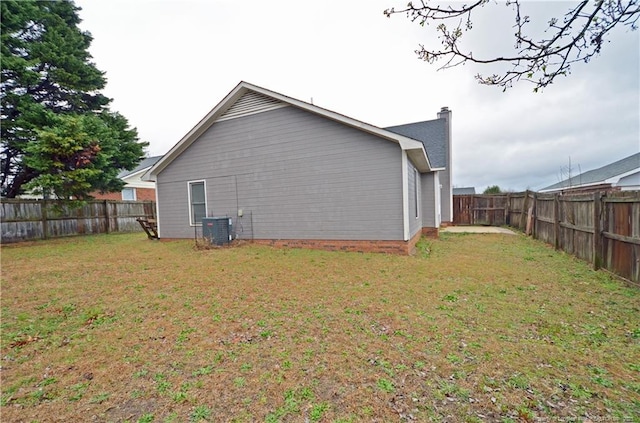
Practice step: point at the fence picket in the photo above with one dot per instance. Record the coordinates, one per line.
(26, 220)
(601, 228)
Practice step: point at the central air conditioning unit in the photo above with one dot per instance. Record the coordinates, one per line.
(217, 230)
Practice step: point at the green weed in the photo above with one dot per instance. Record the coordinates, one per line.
(146, 418)
(385, 385)
(317, 411)
(200, 412)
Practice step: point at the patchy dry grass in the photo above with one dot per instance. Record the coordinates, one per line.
(475, 328)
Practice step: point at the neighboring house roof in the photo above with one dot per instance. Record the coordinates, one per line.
(432, 134)
(464, 191)
(144, 165)
(609, 174)
(246, 99)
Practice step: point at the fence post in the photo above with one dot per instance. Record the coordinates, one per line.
(556, 221)
(507, 207)
(597, 231)
(523, 216)
(534, 215)
(106, 216)
(43, 215)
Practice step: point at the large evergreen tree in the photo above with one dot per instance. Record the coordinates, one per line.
(58, 135)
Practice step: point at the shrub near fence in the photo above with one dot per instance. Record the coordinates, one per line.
(601, 228)
(25, 220)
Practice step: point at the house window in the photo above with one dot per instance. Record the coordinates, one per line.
(197, 202)
(129, 194)
(416, 192)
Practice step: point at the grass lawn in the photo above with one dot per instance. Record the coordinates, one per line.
(477, 328)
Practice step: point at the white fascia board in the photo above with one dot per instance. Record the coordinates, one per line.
(419, 159)
(137, 176)
(544, 191)
(616, 179)
(147, 176)
(136, 182)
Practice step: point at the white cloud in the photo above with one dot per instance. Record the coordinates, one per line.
(169, 62)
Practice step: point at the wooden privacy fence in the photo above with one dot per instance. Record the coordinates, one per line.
(601, 228)
(24, 220)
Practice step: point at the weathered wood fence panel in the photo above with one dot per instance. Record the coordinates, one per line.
(621, 236)
(462, 205)
(25, 220)
(545, 223)
(516, 206)
(576, 226)
(480, 210)
(490, 210)
(601, 228)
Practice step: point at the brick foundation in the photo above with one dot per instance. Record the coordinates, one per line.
(430, 232)
(389, 247)
(142, 194)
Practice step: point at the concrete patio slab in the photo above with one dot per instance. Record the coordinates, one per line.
(477, 230)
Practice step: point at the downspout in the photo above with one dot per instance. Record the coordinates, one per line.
(405, 195)
(438, 199)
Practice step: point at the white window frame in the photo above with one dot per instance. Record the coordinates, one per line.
(204, 185)
(133, 190)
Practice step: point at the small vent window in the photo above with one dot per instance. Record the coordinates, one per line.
(197, 202)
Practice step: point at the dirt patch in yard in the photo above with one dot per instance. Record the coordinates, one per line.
(475, 328)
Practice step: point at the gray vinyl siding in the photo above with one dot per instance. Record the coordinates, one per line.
(300, 175)
(415, 224)
(428, 200)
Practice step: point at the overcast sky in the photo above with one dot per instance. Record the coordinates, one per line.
(168, 62)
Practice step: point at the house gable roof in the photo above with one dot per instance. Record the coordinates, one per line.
(610, 173)
(246, 99)
(432, 134)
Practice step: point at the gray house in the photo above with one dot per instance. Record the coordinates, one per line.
(289, 173)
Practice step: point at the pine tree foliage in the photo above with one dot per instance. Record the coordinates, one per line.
(58, 135)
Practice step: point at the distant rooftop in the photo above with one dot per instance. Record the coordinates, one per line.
(464, 191)
(599, 175)
(145, 163)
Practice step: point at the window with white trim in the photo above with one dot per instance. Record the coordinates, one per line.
(197, 202)
(128, 194)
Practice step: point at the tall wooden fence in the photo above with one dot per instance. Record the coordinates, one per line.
(601, 228)
(24, 220)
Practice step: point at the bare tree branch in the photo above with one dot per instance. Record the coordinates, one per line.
(575, 37)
